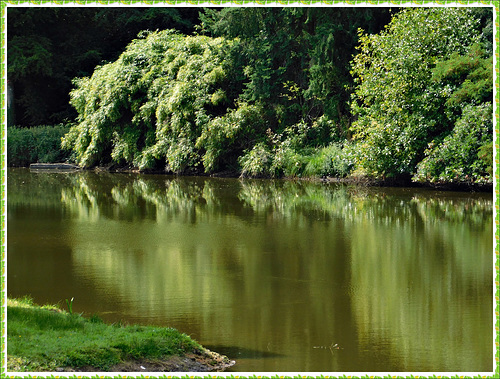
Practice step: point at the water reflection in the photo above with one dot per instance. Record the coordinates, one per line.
(400, 279)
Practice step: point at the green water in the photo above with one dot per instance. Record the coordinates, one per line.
(279, 275)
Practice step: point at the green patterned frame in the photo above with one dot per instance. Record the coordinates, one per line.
(4, 4)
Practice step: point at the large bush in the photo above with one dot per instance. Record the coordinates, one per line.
(155, 105)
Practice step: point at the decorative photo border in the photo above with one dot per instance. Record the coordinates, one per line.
(4, 4)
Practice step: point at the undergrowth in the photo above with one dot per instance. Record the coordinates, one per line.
(35, 144)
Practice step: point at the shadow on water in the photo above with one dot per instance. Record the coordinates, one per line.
(238, 352)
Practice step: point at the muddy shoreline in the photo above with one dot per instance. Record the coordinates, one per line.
(197, 361)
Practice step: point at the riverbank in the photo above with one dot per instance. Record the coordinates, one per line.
(402, 181)
(47, 338)
(39, 148)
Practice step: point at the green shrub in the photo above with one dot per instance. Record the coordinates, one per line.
(225, 137)
(464, 155)
(156, 103)
(256, 162)
(35, 144)
(485, 155)
(287, 160)
(328, 161)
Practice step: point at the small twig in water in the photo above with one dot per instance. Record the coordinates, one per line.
(331, 347)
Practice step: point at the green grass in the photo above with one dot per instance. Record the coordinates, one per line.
(46, 338)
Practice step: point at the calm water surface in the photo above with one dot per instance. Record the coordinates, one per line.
(271, 273)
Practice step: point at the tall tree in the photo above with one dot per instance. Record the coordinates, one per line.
(413, 81)
(297, 59)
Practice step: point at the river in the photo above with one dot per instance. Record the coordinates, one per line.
(281, 276)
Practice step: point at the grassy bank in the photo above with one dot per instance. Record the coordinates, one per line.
(46, 338)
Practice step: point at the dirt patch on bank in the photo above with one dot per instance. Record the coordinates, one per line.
(197, 361)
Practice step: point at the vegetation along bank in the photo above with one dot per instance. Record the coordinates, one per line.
(46, 338)
(400, 94)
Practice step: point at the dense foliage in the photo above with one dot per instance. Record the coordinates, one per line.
(297, 59)
(165, 100)
(424, 93)
(257, 97)
(269, 92)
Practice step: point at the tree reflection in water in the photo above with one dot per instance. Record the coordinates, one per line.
(401, 279)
